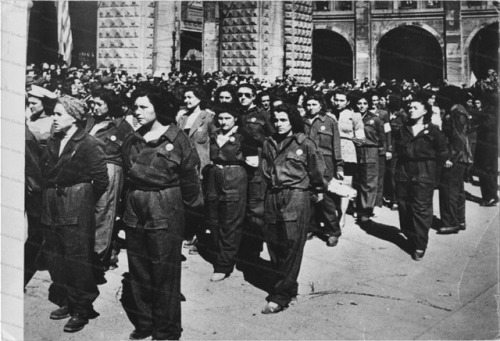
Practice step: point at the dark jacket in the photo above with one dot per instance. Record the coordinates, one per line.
(324, 131)
(82, 160)
(298, 164)
(257, 123)
(456, 131)
(418, 157)
(112, 137)
(168, 162)
(234, 151)
(33, 183)
(375, 142)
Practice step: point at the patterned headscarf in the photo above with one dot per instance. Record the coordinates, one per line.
(73, 106)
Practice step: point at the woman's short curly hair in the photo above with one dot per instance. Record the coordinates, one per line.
(165, 104)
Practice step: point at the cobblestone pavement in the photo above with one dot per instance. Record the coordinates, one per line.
(367, 287)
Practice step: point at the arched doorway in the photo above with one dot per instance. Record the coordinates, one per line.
(410, 52)
(331, 57)
(191, 51)
(483, 51)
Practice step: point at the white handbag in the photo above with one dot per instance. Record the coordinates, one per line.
(341, 189)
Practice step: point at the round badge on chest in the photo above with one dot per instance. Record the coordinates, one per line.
(322, 128)
(299, 152)
(169, 147)
(113, 138)
(371, 121)
(232, 139)
(426, 131)
(253, 119)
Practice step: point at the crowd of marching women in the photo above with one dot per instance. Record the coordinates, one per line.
(223, 163)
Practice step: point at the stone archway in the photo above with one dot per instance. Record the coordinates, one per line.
(410, 52)
(482, 49)
(332, 56)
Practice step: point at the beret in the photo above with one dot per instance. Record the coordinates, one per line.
(38, 91)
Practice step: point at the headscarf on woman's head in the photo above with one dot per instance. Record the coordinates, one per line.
(73, 106)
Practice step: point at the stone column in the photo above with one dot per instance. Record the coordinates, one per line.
(166, 35)
(362, 38)
(453, 47)
(210, 37)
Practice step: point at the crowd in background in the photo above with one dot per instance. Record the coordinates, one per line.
(236, 160)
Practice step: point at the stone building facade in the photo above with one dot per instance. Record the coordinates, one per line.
(273, 38)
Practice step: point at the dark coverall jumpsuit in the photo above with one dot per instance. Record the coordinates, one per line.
(226, 195)
(291, 169)
(451, 188)
(417, 159)
(368, 163)
(74, 181)
(111, 136)
(324, 131)
(33, 185)
(257, 123)
(383, 162)
(162, 177)
(397, 120)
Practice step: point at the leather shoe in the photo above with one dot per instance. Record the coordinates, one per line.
(332, 241)
(218, 276)
(448, 229)
(310, 235)
(75, 323)
(418, 255)
(139, 334)
(60, 313)
(272, 308)
(462, 226)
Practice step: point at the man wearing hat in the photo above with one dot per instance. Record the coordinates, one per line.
(74, 168)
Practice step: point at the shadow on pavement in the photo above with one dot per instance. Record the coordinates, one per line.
(387, 232)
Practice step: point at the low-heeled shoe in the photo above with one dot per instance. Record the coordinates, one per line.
(332, 241)
(462, 226)
(448, 229)
(75, 323)
(418, 255)
(140, 334)
(269, 309)
(218, 276)
(59, 314)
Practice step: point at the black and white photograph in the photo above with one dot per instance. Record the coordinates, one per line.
(250, 170)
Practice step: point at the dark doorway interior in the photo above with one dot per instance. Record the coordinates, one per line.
(410, 52)
(42, 34)
(332, 57)
(483, 51)
(84, 28)
(190, 51)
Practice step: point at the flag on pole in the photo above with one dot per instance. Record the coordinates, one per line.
(65, 38)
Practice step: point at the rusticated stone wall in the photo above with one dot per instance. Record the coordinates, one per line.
(125, 35)
(298, 27)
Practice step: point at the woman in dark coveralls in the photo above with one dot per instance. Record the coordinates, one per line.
(420, 148)
(292, 166)
(74, 168)
(232, 150)
(108, 125)
(161, 168)
(368, 154)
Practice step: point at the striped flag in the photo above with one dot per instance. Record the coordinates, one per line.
(64, 35)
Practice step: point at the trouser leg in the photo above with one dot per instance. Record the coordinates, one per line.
(422, 213)
(32, 247)
(367, 192)
(452, 195)
(141, 286)
(325, 211)
(403, 192)
(380, 182)
(164, 248)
